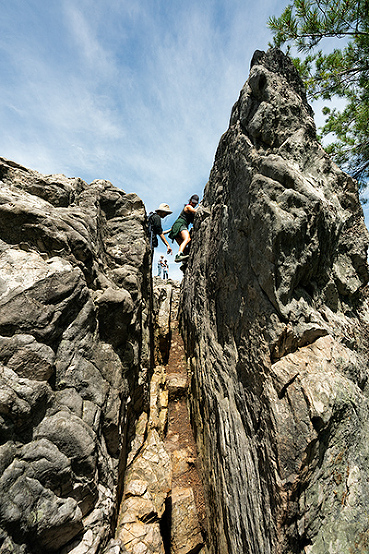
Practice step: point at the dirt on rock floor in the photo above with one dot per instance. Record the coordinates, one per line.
(180, 442)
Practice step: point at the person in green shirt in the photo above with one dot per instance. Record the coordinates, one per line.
(179, 231)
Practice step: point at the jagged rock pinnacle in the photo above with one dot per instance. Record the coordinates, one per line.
(275, 320)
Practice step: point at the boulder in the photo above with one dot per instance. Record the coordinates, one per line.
(165, 308)
(75, 335)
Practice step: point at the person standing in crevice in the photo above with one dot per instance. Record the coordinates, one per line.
(165, 269)
(160, 265)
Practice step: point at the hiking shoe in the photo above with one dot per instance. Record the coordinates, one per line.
(180, 258)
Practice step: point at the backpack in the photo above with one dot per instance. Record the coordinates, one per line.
(152, 235)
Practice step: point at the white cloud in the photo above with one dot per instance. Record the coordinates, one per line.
(133, 91)
(137, 92)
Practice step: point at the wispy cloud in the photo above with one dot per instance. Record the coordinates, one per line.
(140, 88)
(137, 92)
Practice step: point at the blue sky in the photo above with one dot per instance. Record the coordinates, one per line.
(137, 92)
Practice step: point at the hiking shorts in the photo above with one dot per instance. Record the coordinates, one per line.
(178, 226)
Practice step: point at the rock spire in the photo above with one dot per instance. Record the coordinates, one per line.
(275, 320)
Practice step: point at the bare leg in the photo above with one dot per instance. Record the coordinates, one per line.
(185, 239)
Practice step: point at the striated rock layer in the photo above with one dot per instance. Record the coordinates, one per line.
(75, 293)
(275, 322)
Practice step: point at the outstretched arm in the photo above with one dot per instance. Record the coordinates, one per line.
(169, 250)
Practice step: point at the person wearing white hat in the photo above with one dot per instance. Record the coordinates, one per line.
(156, 228)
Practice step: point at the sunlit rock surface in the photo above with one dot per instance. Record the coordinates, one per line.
(275, 321)
(165, 310)
(75, 293)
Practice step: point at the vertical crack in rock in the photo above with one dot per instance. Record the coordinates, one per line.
(188, 518)
(163, 507)
(274, 315)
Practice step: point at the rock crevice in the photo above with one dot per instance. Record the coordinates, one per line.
(163, 507)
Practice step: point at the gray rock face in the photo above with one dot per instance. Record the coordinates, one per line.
(75, 293)
(275, 321)
(165, 307)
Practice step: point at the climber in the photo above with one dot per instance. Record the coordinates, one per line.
(155, 228)
(179, 231)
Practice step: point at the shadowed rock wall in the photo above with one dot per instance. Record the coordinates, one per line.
(75, 293)
(275, 321)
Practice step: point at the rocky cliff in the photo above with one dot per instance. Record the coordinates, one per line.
(96, 453)
(75, 356)
(96, 450)
(275, 320)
